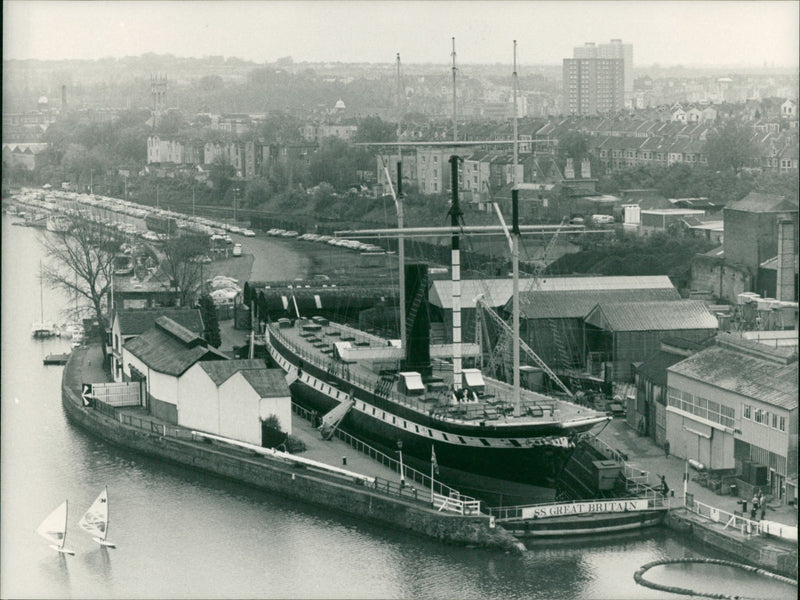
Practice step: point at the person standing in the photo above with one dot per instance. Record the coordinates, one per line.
(666, 449)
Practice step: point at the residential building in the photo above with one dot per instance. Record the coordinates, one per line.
(614, 49)
(433, 170)
(28, 156)
(734, 406)
(593, 85)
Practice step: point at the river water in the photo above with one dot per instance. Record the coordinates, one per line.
(183, 534)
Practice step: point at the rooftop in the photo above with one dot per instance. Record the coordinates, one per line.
(652, 316)
(267, 382)
(756, 202)
(170, 348)
(135, 322)
(498, 291)
(579, 303)
(733, 365)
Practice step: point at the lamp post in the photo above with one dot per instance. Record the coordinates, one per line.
(402, 470)
(235, 191)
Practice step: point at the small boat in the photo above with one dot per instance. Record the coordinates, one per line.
(54, 529)
(58, 224)
(40, 329)
(95, 520)
(43, 330)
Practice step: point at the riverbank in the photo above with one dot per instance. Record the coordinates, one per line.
(389, 507)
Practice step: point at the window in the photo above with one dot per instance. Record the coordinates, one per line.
(746, 412)
(782, 424)
(774, 421)
(759, 416)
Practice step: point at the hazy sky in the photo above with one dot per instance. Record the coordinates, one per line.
(668, 33)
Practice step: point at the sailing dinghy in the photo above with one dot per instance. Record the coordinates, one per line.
(54, 529)
(95, 520)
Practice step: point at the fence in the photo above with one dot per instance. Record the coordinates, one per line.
(463, 505)
(392, 463)
(746, 526)
(636, 480)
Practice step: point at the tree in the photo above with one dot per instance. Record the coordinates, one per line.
(208, 310)
(221, 175)
(375, 129)
(180, 267)
(730, 148)
(82, 263)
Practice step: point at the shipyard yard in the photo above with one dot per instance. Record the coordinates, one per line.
(479, 314)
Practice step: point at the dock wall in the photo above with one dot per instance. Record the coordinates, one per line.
(776, 557)
(294, 482)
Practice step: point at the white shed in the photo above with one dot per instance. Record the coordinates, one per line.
(233, 398)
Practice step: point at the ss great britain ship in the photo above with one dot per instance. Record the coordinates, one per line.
(490, 439)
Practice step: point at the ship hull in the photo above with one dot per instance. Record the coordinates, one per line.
(475, 459)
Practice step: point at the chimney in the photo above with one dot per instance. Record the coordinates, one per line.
(569, 170)
(586, 169)
(784, 288)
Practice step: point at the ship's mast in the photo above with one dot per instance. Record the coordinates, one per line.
(455, 125)
(515, 250)
(455, 216)
(401, 250)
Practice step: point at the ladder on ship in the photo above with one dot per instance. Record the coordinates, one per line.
(332, 419)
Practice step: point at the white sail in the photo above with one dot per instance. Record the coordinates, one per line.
(54, 527)
(95, 520)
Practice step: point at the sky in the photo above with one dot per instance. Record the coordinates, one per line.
(685, 32)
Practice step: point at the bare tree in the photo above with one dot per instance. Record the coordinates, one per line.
(181, 267)
(82, 263)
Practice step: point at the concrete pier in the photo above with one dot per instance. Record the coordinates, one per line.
(309, 486)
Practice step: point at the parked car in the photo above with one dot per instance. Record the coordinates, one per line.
(237, 249)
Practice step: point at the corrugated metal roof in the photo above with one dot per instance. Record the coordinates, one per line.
(269, 383)
(756, 202)
(178, 331)
(579, 303)
(652, 316)
(134, 322)
(498, 291)
(221, 371)
(166, 354)
(743, 374)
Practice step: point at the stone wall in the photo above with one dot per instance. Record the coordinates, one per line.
(295, 482)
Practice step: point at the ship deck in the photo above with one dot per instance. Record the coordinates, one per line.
(371, 362)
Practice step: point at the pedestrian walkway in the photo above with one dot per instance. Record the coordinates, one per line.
(643, 453)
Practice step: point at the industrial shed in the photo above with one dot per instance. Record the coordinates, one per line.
(623, 333)
(552, 322)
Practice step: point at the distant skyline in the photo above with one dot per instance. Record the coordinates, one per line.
(688, 33)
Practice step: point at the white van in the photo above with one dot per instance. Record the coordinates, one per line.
(602, 219)
(237, 249)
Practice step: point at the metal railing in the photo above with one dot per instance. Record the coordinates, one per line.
(747, 527)
(635, 479)
(502, 392)
(387, 461)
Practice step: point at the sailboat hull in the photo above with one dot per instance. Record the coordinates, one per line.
(104, 543)
(62, 550)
